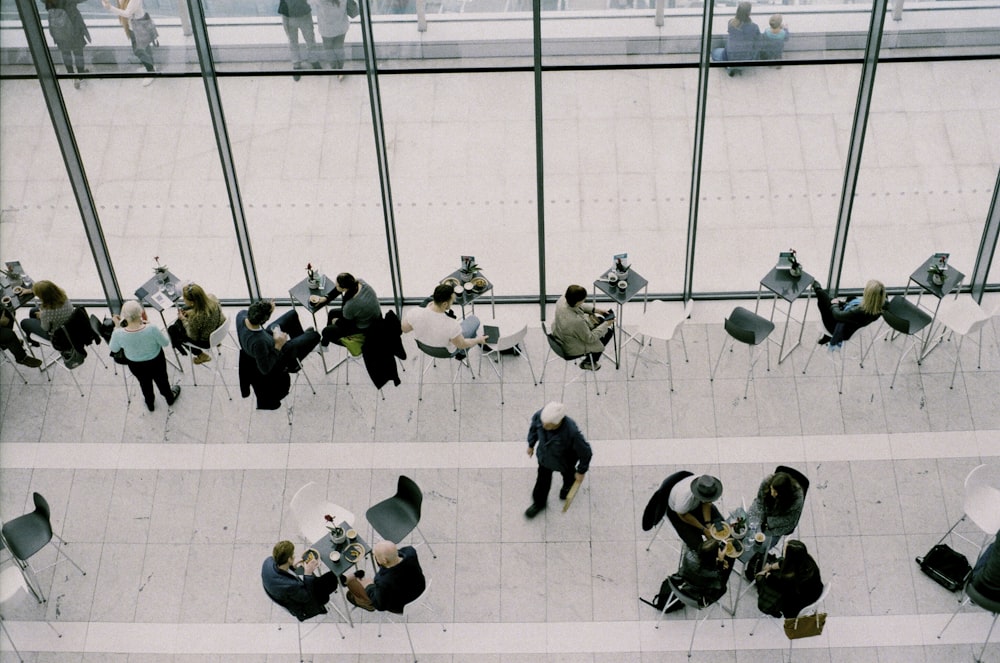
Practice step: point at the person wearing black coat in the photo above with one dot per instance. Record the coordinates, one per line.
(842, 319)
(304, 596)
(789, 584)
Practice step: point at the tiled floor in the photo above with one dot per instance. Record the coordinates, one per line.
(172, 512)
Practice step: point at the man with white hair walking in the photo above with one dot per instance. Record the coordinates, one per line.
(561, 448)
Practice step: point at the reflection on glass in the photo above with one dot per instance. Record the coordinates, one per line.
(39, 223)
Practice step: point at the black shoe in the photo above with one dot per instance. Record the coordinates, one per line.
(460, 355)
(317, 65)
(533, 511)
(343, 580)
(823, 340)
(360, 573)
(816, 285)
(151, 406)
(30, 362)
(33, 343)
(563, 493)
(175, 391)
(487, 348)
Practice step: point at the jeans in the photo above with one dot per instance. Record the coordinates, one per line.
(333, 48)
(470, 327)
(304, 24)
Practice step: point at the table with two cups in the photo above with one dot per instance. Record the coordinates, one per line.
(341, 557)
(621, 288)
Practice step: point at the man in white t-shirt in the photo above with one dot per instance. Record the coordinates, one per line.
(431, 326)
(692, 500)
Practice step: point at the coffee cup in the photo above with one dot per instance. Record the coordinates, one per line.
(334, 556)
(759, 537)
(352, 534)
(469, 286)
(622, 284)
(612, 277)
(458, 290)
(5, 301)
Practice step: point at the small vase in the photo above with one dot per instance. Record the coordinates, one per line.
(795, 271)
(466, 276)
(937, 278)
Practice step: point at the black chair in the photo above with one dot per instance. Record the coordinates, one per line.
(657, 507)
(394, 518)
(750, 329)
(908, 319)
(677, 594)
(68, 344)
(555, 347)
(436, 353)
(26, 535)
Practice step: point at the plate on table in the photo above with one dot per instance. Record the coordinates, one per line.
(733, 549)
(721, 531)
(309, 555)
(479, 283)
(354, 552)
(451, 281)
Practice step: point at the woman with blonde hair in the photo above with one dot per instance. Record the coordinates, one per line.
(843, 318)
(143, 345)
(53, 311)
(196, 320)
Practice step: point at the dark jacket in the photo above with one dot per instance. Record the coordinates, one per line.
(76, 333)
(742, 42)
(707, 584)
(77, 35)
(846, 322)
(795, 592)
(563, 449)
(395, 586)
(259, 345)
(383, 343)
(657, 506)
(290, 591)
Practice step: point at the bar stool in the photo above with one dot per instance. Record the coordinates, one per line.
(751, 329)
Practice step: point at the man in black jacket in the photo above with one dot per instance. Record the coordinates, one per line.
(399, 580)
(304, 596)
(986, 575)
(561, 448)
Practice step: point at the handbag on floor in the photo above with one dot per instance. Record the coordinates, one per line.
(947, 567)
(805, 627)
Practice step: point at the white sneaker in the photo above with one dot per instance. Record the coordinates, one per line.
(146, 82)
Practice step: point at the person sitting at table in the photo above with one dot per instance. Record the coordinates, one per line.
(304, 596)
(692, 500)
(434, 325)
(143, 345)
(841, 319)
(577, 329)
(267, 356)
(986, 574)
(359, 309)
(196, 320)
(10, 342)
(778, 505)
(704, 573)
(53, 311)
(398, 581)
(788, 584)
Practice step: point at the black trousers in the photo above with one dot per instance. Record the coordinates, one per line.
(543, 483)
(152, 372)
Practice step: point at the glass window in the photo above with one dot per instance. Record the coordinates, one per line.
(40, 222)
(151, 158)
(773, 168)
(617, 174)
(462, 159)
(928, 169)
(305, 158)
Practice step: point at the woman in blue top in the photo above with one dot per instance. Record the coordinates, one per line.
(143, 345)
(742, 39)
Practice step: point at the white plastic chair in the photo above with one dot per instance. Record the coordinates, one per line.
(309, 507)
(660, 322)
(981, 505)
(13, 589)
(810, 611)
(963, 317)
(511, 342)
(214, 350)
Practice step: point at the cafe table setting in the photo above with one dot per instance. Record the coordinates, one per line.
(340, 550)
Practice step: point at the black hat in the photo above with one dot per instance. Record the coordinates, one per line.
(707, 488)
